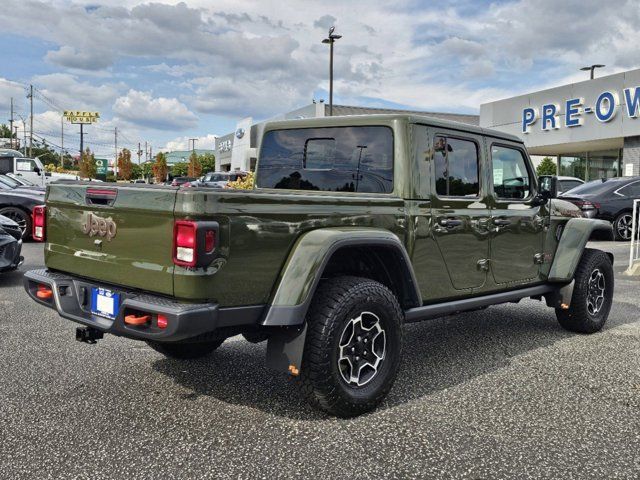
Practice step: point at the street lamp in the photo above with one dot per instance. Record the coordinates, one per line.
(591, 68)
(331, 40)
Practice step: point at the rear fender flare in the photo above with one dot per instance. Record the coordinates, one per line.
(575, 235)
(306, 263)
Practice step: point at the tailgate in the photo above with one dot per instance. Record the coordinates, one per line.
(127, 240)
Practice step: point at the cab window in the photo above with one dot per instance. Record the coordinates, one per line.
(338, 159)
(456, 167)
(25, 165)
(511, 179)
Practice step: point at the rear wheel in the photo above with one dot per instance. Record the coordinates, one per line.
(353, 346)
(22, 218)
(592, 294)
(186, 351)
(622, 226)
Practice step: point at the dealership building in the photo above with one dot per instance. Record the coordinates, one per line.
(590, 128)
(238, 150)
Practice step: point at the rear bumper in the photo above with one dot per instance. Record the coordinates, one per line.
(72, 298)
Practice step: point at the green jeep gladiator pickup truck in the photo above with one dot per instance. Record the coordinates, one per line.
(355, 226)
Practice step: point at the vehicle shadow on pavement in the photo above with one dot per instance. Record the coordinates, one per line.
(11, 279)
(438, 354)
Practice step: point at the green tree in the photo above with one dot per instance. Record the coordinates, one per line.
(136, 170)
(208, 162)
(160, 168)
(180, 169)
(5, 132)
(88, 166)
(195, 167)
(547, 167)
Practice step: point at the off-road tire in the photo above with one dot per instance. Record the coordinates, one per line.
(622, 223)
(578, 317)
(335, 304)
(19, 216)
(186, 351)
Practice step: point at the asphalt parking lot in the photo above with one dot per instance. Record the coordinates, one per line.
(501, 393)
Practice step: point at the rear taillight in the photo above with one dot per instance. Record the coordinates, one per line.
(587, 205)
(185, 243)
(194, 243)
(38, 222)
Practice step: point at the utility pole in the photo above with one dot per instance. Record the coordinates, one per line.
(115, 162)
(139, 153)
(146, 152)
(193, 142)
(81, 140)
(62, 141)
(31, 122)
(11, 125)
(331, 40)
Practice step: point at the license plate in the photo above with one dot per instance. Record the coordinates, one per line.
(104, 302)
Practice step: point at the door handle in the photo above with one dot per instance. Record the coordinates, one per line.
(450, 222)
(501, 222)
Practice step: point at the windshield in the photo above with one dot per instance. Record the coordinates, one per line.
(8, 181)
(594, 187)
(22, 181)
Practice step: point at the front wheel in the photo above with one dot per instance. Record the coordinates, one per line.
(185, 351)
(353, 346)
(592, 294)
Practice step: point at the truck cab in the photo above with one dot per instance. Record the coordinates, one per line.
(31, 169)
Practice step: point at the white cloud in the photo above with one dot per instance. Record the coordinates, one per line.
(160, 113)
(184, 143)
(71, 94)
(67, 56)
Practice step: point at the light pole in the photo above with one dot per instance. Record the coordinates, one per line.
(331, 40)
(591, 68)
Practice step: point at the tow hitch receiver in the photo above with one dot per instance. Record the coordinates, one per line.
(88, 335)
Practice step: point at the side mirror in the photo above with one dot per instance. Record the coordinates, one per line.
(547, 189)
(36, 170)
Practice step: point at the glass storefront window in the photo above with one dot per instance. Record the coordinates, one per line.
(573, 166)
(591, 165)
(603, 164)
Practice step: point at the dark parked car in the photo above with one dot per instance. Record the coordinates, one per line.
(608, 199)
(17, 204)
(10, 244)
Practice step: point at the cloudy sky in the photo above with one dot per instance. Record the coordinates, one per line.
(165, 72)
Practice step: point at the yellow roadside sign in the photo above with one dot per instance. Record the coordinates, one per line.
(78, 116)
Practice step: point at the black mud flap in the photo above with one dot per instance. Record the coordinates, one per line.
(560, 298)
(285, 349)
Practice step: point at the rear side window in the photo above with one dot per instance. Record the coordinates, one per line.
(510, 174)
(338, 159)
(631, 190)
(456, 163)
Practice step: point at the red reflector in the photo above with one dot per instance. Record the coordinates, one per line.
(136, 319)
(209, 241)
(162, 321)
(38, 218)
(102, 192)
(44, 292)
